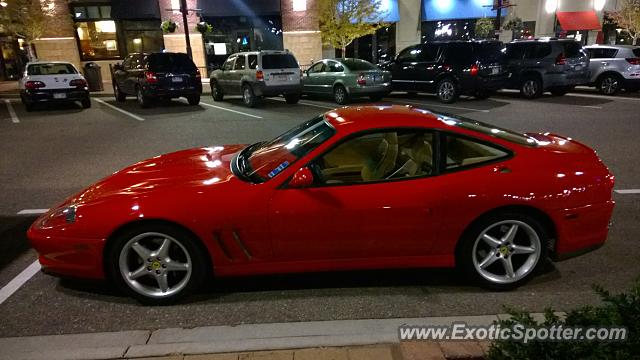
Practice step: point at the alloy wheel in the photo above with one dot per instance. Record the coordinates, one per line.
(155, 265)
(446, 91)
(339, 95)
(246, 95)
(609, 85)
(506, 251)
(530, 88)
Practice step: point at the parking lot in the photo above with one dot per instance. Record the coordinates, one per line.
(52, 153)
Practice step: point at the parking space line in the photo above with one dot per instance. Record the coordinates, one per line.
(32, 211)
(308, 104)
(233, 111)
(443, 106)
(12, 112)
(628, 191)
(118, 109)
(592, 107)
(19, 280)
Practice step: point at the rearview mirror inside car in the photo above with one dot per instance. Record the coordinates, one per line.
(302, 178)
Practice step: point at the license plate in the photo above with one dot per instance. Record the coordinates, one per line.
(176, 79)
(495, 70)
(280, 77)
(59, 95)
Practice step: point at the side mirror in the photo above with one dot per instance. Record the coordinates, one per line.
(301, 179)
(117, 66)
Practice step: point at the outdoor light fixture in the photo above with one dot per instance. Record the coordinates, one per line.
(299, 5)
(3, 3)
(137, 41)
(551, 6)
(598, 5)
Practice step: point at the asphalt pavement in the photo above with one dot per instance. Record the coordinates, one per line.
(52, 153)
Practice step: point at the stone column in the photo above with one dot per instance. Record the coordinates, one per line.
(408, 29)
(301, 30)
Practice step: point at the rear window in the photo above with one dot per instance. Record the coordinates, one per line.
(489, 52)
(537, 50)
(571, 49)
(636, 52)
(279, 61)
(171, 63)
(358, 65)
(459, 53)
(51, 69)
(488, 129)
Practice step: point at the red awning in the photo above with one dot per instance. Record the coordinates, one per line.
(578, 20)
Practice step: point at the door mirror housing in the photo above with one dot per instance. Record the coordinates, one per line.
(301, 179)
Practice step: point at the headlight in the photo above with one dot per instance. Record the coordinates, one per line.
(61, 216)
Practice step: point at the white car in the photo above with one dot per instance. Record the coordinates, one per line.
(53, 81)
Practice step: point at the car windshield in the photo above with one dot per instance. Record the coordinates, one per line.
(278, 61)
(263, 161)
(171, 63)
(51, 69)
(490, 130)
(358, 65)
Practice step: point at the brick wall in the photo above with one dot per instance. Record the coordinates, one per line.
(301, 32)
(299, 20)
(192, 17)
(60, 24)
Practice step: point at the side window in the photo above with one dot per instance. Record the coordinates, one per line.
(334, 66)
(317, 68)
(461, 152)
(429, 53)
(537, 51)
(239, 63)
(459, 53)
(600, 53)
(409, 54)
(379, 156)
(253, 61)
(228, 65)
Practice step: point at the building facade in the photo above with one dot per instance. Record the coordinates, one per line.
(105, 31)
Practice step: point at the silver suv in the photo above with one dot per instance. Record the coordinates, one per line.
(258, 74)
(614, 67)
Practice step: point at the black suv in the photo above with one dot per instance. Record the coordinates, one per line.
(450, 68)
(157, 76)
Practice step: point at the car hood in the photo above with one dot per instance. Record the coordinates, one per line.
(192, 168)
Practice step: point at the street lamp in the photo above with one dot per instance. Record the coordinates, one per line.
(3, 3)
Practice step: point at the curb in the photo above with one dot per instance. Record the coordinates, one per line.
(222, 339)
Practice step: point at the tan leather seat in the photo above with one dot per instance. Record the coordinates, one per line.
(377, 169)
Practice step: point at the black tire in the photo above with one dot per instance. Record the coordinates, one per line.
(531, 88)
(609, 84)
(28, 105)
(249, 99)
(447, 91)
(340, 95)
(216, 92)
(200, 266)
(466, 260)
(292, 98)
(119, 95)
(193, 99)
(86, 103)
(376, 98)
(143, 101)
(561, 90)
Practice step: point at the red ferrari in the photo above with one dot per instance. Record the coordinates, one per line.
(359, 187)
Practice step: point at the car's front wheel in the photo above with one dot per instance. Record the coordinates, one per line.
(156, 264)
(216, 92)
(447, 91)
(502, 251)
(119, 95)
(609, 84)
(248, 97)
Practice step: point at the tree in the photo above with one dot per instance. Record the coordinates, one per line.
(484, 28)
(628, 18)
(342, 21)
(27, 19)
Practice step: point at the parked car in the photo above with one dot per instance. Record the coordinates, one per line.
(345, 79)
(550, 65)
(258, 74)
(364, 187)
(614, 67)
(156, 76)
(52, 81)
(450, 68)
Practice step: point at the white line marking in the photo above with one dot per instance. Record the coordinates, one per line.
(310, 104)
(32, 211)
(118, 109)
(628, 191)
(443, 106)
(233, 111)
(12, 112)
(19, 280)
(592, 107)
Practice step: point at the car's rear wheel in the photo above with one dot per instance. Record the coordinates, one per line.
(531, 88)
(119, 95)
(292, 98)
(193, 99)
(502, 251)
(216, 92)
(143, 101)
(609, 84)
(447, 91)
(156, 264)
(248, 97)
(86, 103)
(340, 95)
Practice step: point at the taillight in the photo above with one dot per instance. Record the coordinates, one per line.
(561, 60)
(34, 85)
(474, 70)
(79, 83)
(633, 61)
(151, 77)
(362, 80)
(198, 75)
(259, 75)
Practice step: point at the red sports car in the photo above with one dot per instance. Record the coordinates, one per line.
(356, 188)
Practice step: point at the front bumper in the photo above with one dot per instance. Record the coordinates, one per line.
(58, 95)
(68, 256)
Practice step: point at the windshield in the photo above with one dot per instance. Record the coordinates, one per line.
(490, 130)
(278, 61)
(171, 63)
(263, 161)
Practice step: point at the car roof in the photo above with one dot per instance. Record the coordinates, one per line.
(609, 46)
(263, 52)
(41, 62)
(361, 117)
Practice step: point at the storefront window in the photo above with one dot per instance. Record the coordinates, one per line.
(448, 30)
(142, 36)
(98, 40)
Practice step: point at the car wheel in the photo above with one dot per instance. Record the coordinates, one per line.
(376, 98)
(447, 91)
(143, 101)
(248, 97)
(193, 99)
(86, 103)
(156, 264)
(502, 251)
(340, 95)
(120, 96)
(292, 98)
(609, 84)
(216, 92)
(561, 91)
(531, 88)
